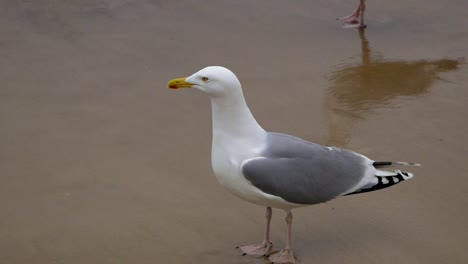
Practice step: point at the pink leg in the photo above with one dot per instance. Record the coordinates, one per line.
(286, 255)
(351, 21)
(362, 6)
(264, 248)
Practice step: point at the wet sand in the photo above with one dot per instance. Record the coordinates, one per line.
(100, 163)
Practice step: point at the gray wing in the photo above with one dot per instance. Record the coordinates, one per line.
(303, 172)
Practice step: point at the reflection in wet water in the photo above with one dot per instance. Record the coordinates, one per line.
(358, 89)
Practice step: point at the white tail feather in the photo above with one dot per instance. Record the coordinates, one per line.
(405, 163)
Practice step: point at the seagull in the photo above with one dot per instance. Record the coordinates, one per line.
(352, 21)
(277, 170)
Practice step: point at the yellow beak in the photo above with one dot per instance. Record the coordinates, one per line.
(179, 83)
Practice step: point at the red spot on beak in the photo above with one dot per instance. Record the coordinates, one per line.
(174, 86)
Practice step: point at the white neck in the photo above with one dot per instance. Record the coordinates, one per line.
(232, 120)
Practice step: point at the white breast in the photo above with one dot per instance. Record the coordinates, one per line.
(238, 137)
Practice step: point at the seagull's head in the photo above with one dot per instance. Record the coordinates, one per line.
(213, 80)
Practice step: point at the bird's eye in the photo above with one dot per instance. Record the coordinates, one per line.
(205, 79)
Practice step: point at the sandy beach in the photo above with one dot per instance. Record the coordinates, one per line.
(101, 163)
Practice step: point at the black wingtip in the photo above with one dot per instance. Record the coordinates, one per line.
(378, 164)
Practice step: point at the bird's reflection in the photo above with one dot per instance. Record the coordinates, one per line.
(357, 89)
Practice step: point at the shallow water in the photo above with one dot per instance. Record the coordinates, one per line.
(100, 163)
